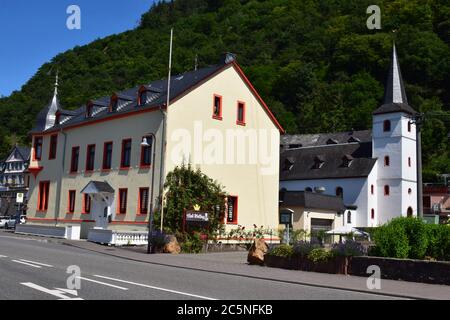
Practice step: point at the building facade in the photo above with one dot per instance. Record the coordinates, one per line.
(103, 164)
(374, 171)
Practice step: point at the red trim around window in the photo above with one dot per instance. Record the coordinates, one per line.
(53, 147)
(71, 202)
(35, 144)
(122, 207)
(74, 164)
(239, 105)
(87, 169)
(86, 204)
(104, 167)
(219, 116)
(142, 164)
(122, 158)
(140, 209)
(235, 213)
(43, 192)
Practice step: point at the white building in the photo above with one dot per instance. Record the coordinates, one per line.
(373, 170)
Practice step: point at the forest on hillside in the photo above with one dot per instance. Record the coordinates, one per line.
(314, 62)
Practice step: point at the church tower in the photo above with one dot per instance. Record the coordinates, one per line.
(47, 117)
(394, 145)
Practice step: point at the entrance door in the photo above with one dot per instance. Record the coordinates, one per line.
(101, 210)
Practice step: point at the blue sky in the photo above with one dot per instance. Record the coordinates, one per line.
(33, 32)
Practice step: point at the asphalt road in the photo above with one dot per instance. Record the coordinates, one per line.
(33, 269)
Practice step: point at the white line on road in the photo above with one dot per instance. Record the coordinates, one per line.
(156, 288)
(56, 293)
(3, 256)
(103, 283)
(28, 264)
(38, 263)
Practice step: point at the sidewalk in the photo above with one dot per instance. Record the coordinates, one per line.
(234, 263)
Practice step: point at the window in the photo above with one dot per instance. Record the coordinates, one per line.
(74, 159)
(241, 113)
(107, 155)
(71, 204)
(232, 210)
(318, 162)
(126, 154)
(142, 98)
(372, 189)
(217, 107)
(387, 161)
(387, 190)
(143, 201)
(146, 153)
(44, 189)
(372, 214)
(113, 104)
(37, 148)
(53, 145)
(409, 213)
(387, 125)
(349, 217)
(90, 157)
(308, 189)
(409, 191)
(409, 162)
(86, 204)
(89, 108)
(409, 126)
(122, 208)
(340, 192)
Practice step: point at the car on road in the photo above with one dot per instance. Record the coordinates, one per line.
(7, 222)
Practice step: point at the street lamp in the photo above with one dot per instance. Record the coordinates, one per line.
(145, 144)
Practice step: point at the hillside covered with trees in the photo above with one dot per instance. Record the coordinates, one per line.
(314, 62)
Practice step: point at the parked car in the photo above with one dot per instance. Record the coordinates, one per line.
(7, 222)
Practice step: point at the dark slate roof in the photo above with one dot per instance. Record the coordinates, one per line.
(395, 107)
(310, 200)
(333, 166)
(319, 139)
(179, 84)
(41, 118)
(100, 187)
(25, 152)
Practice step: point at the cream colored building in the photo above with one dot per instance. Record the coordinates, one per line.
(90, 167)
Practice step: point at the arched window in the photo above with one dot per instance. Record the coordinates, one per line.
(386, 190)
(372, 189)
(349, 217)
(372, 214)
(409, 126)
(308, 189)
(340, 192)
(409, 191)
(409, 161)
(387, 125)
(387, 161)
(409, 213)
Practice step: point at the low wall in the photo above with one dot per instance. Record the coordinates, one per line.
(118, 238)
(46, 231)
(435, 272)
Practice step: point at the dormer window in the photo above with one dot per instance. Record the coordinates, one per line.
(57, 119)
(318, 162)
(386, 126)
(347, 161)
(288, 164)
(89, 108)
(142, 98)
(353, 140)
(332, 141)
(114, 103)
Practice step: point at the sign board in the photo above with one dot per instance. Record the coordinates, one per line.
(196, 219)
(286, 216)
(19, 197)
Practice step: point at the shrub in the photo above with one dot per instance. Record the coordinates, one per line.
(391, 241)
(283, 250)
(438, 242)
(416, 231)
(349, 248)
(192, 243)
(158, 240)
(303, 248)
(320, 255)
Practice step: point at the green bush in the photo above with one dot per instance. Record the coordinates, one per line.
(438, 242)
(283, 250)
(416, 231)
(391, 241)
(191, 243)
(320, 255)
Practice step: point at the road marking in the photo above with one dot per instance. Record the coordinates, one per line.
(28, 264)
(56, 293)
(156, 288)
(3, 256)
(38, 263)
(103, 283)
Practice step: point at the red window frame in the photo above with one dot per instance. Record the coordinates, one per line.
(140, 94)
(387, 190)
(53, 147)
(219, 116)
(386, 125)
(143, 206)
(150, 140)
(71, 201)
(74, 164)
(121, 208)
(241, 104)
(86, 204)
(114, 103)
(387, 161)
(43, 195)
(89, 108)
(88, 158)
(122, 157)
(38, 141)
(105, 166)
(235, 210)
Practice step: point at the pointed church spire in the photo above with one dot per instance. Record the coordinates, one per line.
(56, 83)
(395, 99)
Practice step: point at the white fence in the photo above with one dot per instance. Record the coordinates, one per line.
(118, 238)
(66, 232)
